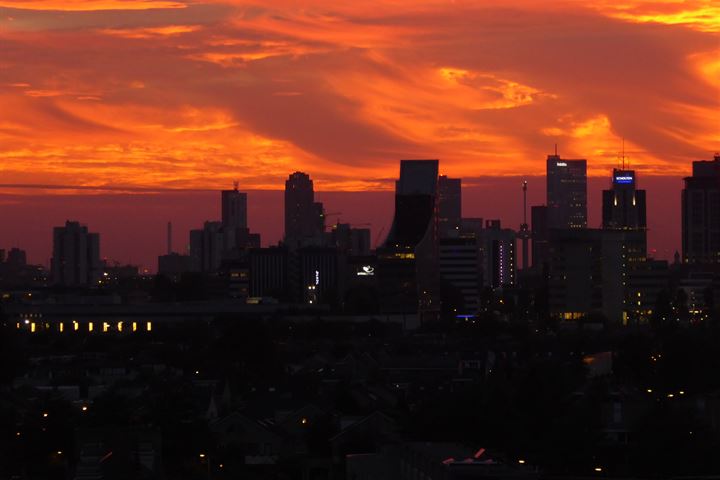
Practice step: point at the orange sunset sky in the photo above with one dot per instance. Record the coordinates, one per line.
(146, 96)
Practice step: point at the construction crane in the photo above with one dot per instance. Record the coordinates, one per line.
(377, 237)
(353, 225)
(325, 217)
(331, 214)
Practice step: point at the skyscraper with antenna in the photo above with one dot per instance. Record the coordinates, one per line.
(566, 193)
(234, 208)
(624, 208)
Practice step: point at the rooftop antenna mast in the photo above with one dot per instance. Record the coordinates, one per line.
(169, 238)
(524, 233)
(524, 187)
(236, 184)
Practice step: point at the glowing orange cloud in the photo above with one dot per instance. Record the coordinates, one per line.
(196, 94)
(89, 5)
(142, 33)
(703, 15)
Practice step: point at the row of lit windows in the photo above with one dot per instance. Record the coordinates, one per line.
(105, 327)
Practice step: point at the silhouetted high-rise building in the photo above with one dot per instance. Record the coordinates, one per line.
(540, 235)
(269, 273)
(623, 208)
(216, 242)
(17, 257)
(234, 208)
(206, 247)
(236, 234)
(566, 193)
(587, 274)
(317, 275)
(304, 217)
(407, 262)
(701, 213)
(499, 263)
(449, 206)
(76, 255)
(460, 268)
(349, 240)
(646, 282)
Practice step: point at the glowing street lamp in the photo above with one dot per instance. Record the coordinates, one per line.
(207, 459)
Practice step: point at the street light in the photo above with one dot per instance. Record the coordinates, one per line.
(207, 458)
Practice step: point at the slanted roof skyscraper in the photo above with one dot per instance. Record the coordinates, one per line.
(407, 262)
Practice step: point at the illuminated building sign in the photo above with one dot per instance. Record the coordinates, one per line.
(561, 164)
(366, 271)
(624, 178)
(317, 277)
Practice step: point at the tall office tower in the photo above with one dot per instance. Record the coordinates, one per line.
(566, 193)
(316, 275)
(449, 206)
(407, 262)
(499, 261)
(461, 262)
(587, 274)
(460, 267)
(76, 255)
(646, 282)
(234, 208)
(349, 240)
(540, 235)
(17, 257)
(207, 247)
(524, 232)
(304, 217)
(237, 236)
(269, 273)
(701, 213)
(623, 208)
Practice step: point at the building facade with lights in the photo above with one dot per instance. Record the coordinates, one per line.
(587, 274)
(408, 277)
(701, 214)
(449, 206)
(566, 193)
(624, 209)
